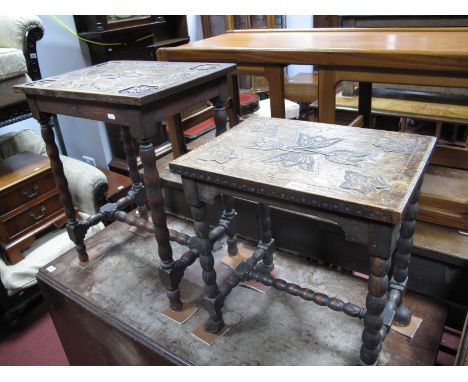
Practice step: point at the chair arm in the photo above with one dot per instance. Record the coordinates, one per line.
(87, 184)
(23, 32)
(16, 142)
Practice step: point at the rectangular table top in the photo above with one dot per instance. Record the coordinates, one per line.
(441, 49)
(127, 82)
(362, 172)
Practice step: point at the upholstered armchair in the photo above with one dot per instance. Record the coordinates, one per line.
(18, 63)
(87, 185)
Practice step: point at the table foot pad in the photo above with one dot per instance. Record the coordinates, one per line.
(181, 316)
(409, 330)
(209, 338)
(94, 254)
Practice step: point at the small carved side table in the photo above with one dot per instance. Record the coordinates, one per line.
(366, 181)
(135, 95)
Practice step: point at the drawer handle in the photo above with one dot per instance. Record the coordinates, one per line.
(38, 217)
(27, 195)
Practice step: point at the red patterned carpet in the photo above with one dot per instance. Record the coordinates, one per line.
(37, 344)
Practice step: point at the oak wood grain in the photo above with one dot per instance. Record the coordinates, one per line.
(444, 49)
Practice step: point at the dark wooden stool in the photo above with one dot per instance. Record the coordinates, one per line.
(366, 181)
(135, 95)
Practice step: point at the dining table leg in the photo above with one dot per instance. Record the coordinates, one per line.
(365, 102)
(326, 95)
(275, 77)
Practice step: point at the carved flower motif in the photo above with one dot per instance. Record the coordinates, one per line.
(302, 153)
(362, 183)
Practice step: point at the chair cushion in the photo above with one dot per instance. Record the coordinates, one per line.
(83, 180)
(7, 95)
(47, 248)
(20, 141)
(12, 63)
(291, 108)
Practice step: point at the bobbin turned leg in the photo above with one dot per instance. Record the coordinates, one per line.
(170, 275)
(372, 336)
(133, 168)
(213, 299)
(266, 241)
(228, 215)
(76, 230)
(220, 119)
(402, 257)
(219, 115)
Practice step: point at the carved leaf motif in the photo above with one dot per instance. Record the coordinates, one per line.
(395, 145)
(45, 82)
(122, 74)
(269, 129)
(220, 155)
(266, 144)
(204, 67)
(139, 90)
(317, 142)
(304, 161)
(345, 157)
(362, 183)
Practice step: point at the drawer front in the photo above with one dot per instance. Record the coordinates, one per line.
(26, 192)
(33, 216)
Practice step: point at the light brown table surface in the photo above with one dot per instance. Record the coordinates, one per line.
(416, 56)
(430, 49)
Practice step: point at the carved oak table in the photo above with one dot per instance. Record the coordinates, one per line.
(135, 95)
(366, 181)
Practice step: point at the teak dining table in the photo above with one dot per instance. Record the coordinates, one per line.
(411, 56)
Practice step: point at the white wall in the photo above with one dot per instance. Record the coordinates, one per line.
(60, 52)
(298, 22)
(194, 27)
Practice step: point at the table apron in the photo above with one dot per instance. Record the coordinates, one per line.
(141, 119)
(404, 77)
(357, 230)
(114, 114)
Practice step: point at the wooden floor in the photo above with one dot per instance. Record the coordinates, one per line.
(265, 329)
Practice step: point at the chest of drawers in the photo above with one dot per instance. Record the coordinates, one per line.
(30, 202)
